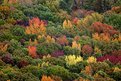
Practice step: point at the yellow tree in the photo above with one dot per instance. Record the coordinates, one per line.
(75, 45)
(67, 24)
(3, 47)
(49, 39)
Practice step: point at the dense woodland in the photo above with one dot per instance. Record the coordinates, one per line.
(60, 40)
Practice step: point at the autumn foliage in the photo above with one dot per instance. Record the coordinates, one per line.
(62, 40)
(112, 58)
(116, 9)
(32, 51)
(67, 24)
(102, 37)
(76, 45)
(3, 47)
(36, 26)
(46, 78)
(87, 49)
(103, 28)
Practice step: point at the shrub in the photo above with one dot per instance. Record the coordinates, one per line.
(17, 31)
(47, 48)
(5, 11)
(41, 11)
(31, 69)
(90, 19)
(99, 66)
(14, 44)
(8, 59)
(118, 3)
(18, 15)
(54, 61)
(85, 40)
(59, 71)
(7, 35)
(16, 75)
(25, 2)
(54, 31)
(2, 63)
(98, 77)
(12, 74)
(114, 20)
(69, 50)
(84, 76)
(2, 22)
(30, 36)
(57, 53)
(20, 52)
(30, 77)
(22, 63)
(75, 68)
(116, 75)
(109, 47)
(3, 77)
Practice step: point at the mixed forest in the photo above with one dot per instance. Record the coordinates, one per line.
(60, 40)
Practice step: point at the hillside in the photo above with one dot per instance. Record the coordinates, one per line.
(60, 40)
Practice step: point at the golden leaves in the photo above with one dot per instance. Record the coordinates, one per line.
(75, 45)
(67, 24)
(119, 38)
(105, 37)
(101, 37)
(8, 80)
(35, 42)
(96, 36)
(116, 69)
(72, 59)
(49, 39)
(88, 70)
(4, 8)
(91, 59)
(48, 56)
(3, 47)
(97, 50)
